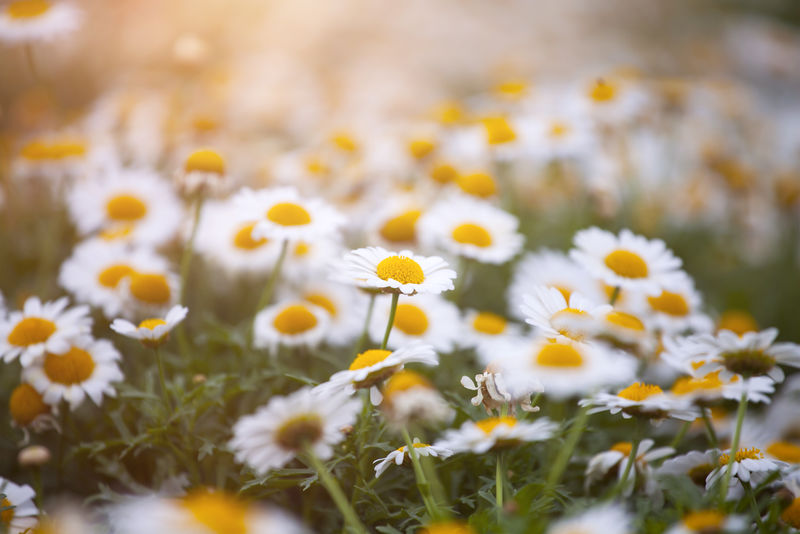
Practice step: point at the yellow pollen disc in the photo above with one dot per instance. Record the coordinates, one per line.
(205, 124)
(294, 319)
(498, 130)
(704, 520)
(487, 425)
(444, 173)
(449, 527)
(111, 276)
(411, 320)
(626, 264)
(402, 381)
(737, 321)
(369, 358)
(512, 88)
(218, 512)
(639, 391)
(625, 320)
(751, 453)
(472, 234)
(602, 91)
(415, 445)
(791, 514)
(8, 514)
(301, 249)
(400, 268)
(126, 208)
(68, 149)
(301, 429)
(686, 384)
(670, 303)
(315, 165)
(558, 130)
(323, 302)
(450, 113)
(27, 9)
(559, 355)
(288, 214)
(30, 331)
(36, 151)
(150, 288)
(205, 161)
(785, 451)
(344, 141)
(402, 228)
(419, 148)
(489, 323)
(72, 367)
(26, 404)
(624, 447)
(243, 238)
(151, 324)
(477, 184)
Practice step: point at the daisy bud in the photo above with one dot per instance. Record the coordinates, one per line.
(33, 456)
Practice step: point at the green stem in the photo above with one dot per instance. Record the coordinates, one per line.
(461, 279)
(734, 447)
(36, 473)
(335, 491)
(162, 380)
(753, 505)
(620, 487)
(561, 461)
(681, 434)
(364, 331)
(712, 434)
(614, 296)
(188, 251)
(269, 288)
(499, 482)
(422, 481)
(392, 312)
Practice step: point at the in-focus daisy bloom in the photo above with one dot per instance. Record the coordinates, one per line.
(26, 21)
(708, 522)
(203, 172)
(88, 368)
(472, 229)
(398, 456)
(26, 406)
(599, 520)
(546, 309)
(642, 400)
(617, 458)
(41, 328)
(22, 514)
(749, 465)
(151, 332)
(277, 432)
(409, 397)
(627, 261)
(293, 323)
(496, 432)
(429, 319)
(396, 272)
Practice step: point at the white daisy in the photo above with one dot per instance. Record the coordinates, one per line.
(624, 330)
(627, 261)
(27, 407)
(496, 432)
(749, 465)
(292, 323)
(24, 514)
(203, 173)
(397, 456)
(611, 99)
(695, 464)
(546, 309)
(486, 332)
(311, 261)
(598, 520)
(396, 223)
(617, 458)
(26, 21)
(149, 293)
(154, 331)
(277, 432)
(409, 397)
(492, 391)
(87, 368)
(707, 521)
(559, 135)
(346, 307)
(391, 272)
(41, 328)
(642, 400)
(673, 311)
(426, 318)
(709, 388)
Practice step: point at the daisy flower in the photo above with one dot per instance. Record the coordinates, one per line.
(627, 261)
(26, 21)
(392, 272)
(472, 229)
(41, 328)
(496, 432)
(27, 407)
(642, 400)
(552, 314)
(707, 521)
(22, 515)
(306, 261)
(87, 369)
(151, 332)
(345, 305)
(694, 464)
(492, 391)
(396, 224)
(617, 458)
(673, 311)
(136, 204)
(397, 456)
(292, 323)
(480, 185)
(424, 318)
(203, 172)
(561, 135)
(150, 292)
(409, 397)
(709, 388)
(749, 465)
(598, 520)
(611, 100)
(485, 331)
(791, 514)
(277, 432)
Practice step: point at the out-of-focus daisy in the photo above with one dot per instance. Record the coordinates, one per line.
(397, 456)
(136, 204)
(88, 368)
(642, 400)
(154, 331)
(148, 293)
(484, 331)
(496, 432)
(617, 458)
(791, 514)
(311, 261)
(695, 464)
(611, 99)
(345, 305)
(395, 225)
(292, 323)
(749, 465)
(26, 21)
(27, 407)
(599, 520)
(203, 172)
(492, 391)
(673, 311)
(627, 261)
(625, 330)
(22, 514)
(472, 229)
(560, 135)
(277, 432)
(41, 327)
(391, 272)
(409, 397)
(708, 522)
(710, 388)
(426, 318)
(553, 315)
(737, 321)
(477, 184)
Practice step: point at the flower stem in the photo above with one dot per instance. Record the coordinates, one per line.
(499, 482)
(335, 491)
(162, 380)
(614, 296)
(681, 433)
(712, 434)
(734, 447)
(188, 251)
(422, 481)
(561, 461)
(269, 288)
(620, 487)
(461, 280)
(367, 320)
(392, 312)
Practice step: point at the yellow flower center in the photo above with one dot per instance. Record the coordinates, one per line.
(751, 453)
(205, 161)
(73, 367)
(400, 268)
(150, 288)
(626, 264)
(450, 113)
(404, 380)
(699, 473)
(737, 321)
(8, 514)
(111, 276)
(323, 302)
(288, 214)
(419, 148)
(449, 527)
(558, 129)
(625, 320)
(478, 184)
(472, 234)
(26, 404)
(205, 123)
(36, 151)
(791, 514)
(670, 303)
(415, 445)
(498, 130)
(639, 391)
(243, 238)
(301, 249)
(487, 425)
(218, 512)
(785, 451)
(299, 430)
(402, 228)
(151, 324)
(31, 330)
(126, 208)
(748, 362)
(444, 173)
(489, 323)
(315, 165)
(294, 319)
(411, 320)
(555, 354)
(68, 149)
(369, 358)
(624, 447)
(512, 88)
(602, 91)
(686, 384)
(704, 521)
(27, 9)
(344, 141)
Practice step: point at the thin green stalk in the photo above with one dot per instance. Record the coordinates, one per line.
(712, 434)
(753, 505)
(335, 491)
(269, 288)
(561, 461)
(614, 296)
(392, 312)
(734, 447)
(681, 433)
(364, 331)
(499, 482)
(36, 474)
(461, 279)
(422, 482)
(162, 380)
(188, 251)
(628, 466)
